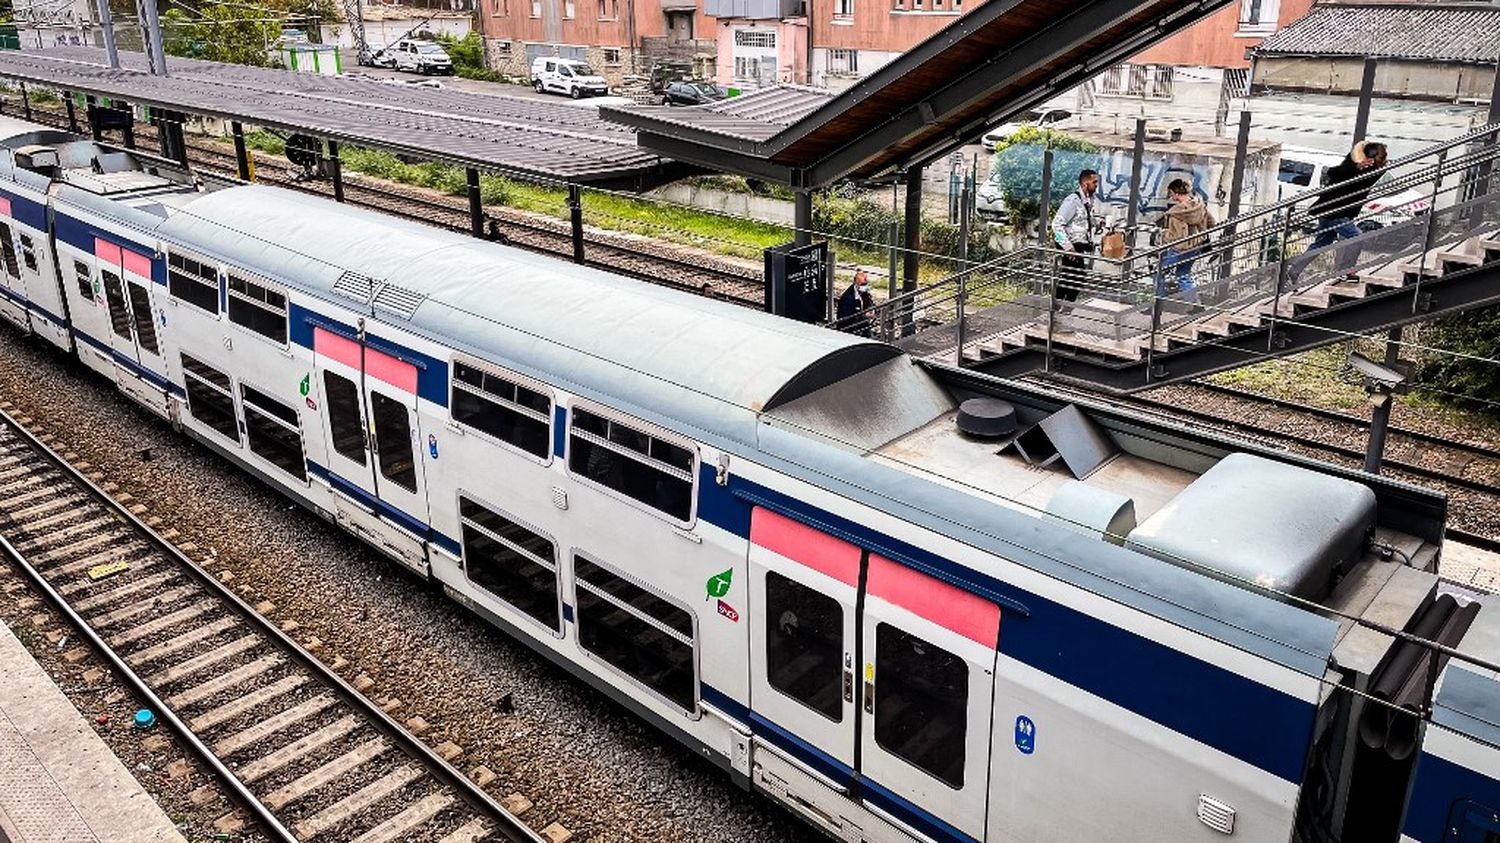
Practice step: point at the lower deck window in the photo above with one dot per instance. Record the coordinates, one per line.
(8, 252)
(511, 562)
(28, 253)
(114, 296)
(210, 397)
(145, 326)
(921, 703)
(637, 632)
(273, 431)
(82, 275)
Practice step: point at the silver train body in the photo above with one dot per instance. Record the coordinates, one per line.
(770, 541)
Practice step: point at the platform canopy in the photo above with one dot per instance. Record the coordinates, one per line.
(546, 139)
(994, 62)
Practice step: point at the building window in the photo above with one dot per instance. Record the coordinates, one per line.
(274, 432)
(611, 55)
(536, 8)
(193, 282)
(747, 68)
(805, 646)
(843, 62)
(570, 9)
(501, 408)
(1143, 81)
(257, 307)
(511, 562)
(921, 703)
(209, 398)
(609, 10)
(85, 281)
(642, 467)
(502, 48)
(1258, 17)
(641, 634)
(843, 8)
(755, 38)
(502, 8)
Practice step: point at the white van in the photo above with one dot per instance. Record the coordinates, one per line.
(567, 76)
(418, 56)
(1304, 170)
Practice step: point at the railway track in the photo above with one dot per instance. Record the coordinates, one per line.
(306, 754)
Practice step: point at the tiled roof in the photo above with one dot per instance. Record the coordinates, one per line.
(1447, 32)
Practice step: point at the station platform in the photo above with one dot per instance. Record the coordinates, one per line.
(1471, 566)
(59, 781)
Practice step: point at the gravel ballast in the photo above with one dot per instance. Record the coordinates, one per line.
(581, 759)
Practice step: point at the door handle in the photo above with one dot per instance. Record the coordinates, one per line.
(869, 697)
(848, 685)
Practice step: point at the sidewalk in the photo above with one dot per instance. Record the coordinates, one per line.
(59, 782)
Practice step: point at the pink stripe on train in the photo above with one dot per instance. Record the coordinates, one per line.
(967, 614)
(106, 251)
(397, 373)
(4, 206)
(801, 543)
(136, 263)
(334, 347)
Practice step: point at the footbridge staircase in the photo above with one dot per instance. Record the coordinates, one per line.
(1259, 291)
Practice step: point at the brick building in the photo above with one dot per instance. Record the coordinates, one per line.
(617, 37)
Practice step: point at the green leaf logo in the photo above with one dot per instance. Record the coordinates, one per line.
(306, 385)
(718, 584)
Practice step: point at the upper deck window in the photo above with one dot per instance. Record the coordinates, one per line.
(258, 307)
(636, 464)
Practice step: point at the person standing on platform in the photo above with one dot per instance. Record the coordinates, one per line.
(856, 306)
(1074, 227)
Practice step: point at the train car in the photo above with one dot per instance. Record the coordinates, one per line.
(787, 547)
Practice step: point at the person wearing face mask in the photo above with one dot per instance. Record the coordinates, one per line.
(856, 306)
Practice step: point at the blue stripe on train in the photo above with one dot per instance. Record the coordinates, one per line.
(1441, 794)
(432, 372)
(26, 211)
(1258, 724)
(130, 365)
(407, 522)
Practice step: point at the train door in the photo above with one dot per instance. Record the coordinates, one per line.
(927, 671)
(805, 588)
(10, 269)
(370, 402)
(125, 276)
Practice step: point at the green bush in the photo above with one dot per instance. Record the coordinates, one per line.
(1017, 166)
(468, 57)
(1474, 383)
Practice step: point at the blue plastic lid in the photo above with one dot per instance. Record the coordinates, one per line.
(144, 719)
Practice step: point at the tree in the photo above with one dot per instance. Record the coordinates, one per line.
(1452, 379)
(221, 31)
(1017, 166)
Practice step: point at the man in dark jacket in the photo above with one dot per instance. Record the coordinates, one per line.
(1349, 186)
(855, 306)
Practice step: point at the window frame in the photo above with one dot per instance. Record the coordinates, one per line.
(230, 274)
(84, 281)
(247, 406)
(696, 712)
(28, 252)
(880, 694)
(515, 379)
(648, 429)
(771, 676)
(8, 257)
(220, 281)
(234, 415)
(560, 631)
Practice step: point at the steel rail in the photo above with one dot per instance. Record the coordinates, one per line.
(508, 825)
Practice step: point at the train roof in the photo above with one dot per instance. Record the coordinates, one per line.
(705, 362)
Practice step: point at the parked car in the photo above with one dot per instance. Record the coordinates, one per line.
(1304, 170)
(1049, 118)
(567, 76)
(692, 92)
(422, 57)
(380, 57)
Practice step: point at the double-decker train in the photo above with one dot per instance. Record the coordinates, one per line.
(776, 543)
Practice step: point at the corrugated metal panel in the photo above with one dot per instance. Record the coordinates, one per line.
(1454, 33)
(757, 115)
(517, 135)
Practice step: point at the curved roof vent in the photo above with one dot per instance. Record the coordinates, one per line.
(987, 418)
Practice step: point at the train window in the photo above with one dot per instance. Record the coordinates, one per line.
(344, 424)
(194, 282)
(392, 428)
(83, 275)
(655, 472)
(8, 252)
(28, 253)
(637, 632)
(921, 703)
(273, 431)
(210, 397)
(114, 295)
(510, 562)
(505, 410)
(145, 327)
(257, 307)
(805, 645)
